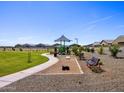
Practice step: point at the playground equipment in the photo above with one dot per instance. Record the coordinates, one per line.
(62, 48)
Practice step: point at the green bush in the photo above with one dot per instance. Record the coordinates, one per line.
(13, 49)
(87, 49)
(62, 49)
(75, 50)
(101, 50)
(114, 49)
(92, 50)
(4, 49)
(20, 49)
(81, 49)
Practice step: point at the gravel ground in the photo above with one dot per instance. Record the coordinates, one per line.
(110, 80)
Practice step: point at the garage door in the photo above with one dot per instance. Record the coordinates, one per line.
(121, 44)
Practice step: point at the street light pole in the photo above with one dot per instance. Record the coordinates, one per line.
(76, 40)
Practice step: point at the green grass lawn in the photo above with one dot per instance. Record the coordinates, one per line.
(11, 62)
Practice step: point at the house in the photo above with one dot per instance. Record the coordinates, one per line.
(119, 40)
(106, 42)
(89, 45)
(96, 44)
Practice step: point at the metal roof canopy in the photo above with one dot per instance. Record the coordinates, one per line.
(62, 38)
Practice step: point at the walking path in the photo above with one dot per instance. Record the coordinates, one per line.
(6, 80)
(112, 80)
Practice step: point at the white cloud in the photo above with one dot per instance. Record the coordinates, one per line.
(20, 40)
(24, 38)
(101, 19)
(90, 27)
(120, 26)
(3, 40)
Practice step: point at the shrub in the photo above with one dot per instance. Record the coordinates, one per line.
(75, 50)
(100, 63)
(92, 50)
(101, 50)
(87, 49)
(114, 49)
(13, 49)
(97, 69)
(4, 49)
(62, 49)
(81, 49)
(21, 49)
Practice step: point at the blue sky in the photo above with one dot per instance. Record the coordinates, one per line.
(43, 22)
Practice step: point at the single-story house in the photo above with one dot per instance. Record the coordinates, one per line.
(106, 42)
(119, 40)
(96, 44)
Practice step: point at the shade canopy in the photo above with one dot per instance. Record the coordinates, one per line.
(62, 38)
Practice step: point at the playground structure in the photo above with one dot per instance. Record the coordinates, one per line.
(62, 48)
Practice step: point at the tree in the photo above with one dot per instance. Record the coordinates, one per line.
(29, 57)
(29, 54)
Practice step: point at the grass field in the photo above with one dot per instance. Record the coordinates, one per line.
(14, 61)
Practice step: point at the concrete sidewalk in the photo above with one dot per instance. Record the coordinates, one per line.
(6, 80)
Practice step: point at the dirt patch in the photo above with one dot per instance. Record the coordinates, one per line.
(57, 68)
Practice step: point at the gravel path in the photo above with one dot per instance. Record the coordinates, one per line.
(110, 80)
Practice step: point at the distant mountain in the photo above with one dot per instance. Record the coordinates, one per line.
(55, 45)
(23, 46)
(6, 47)
(74, 45)
(40, 45)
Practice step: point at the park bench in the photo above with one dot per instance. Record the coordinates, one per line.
(93, 62)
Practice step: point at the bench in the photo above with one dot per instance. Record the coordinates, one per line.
(93, 62)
